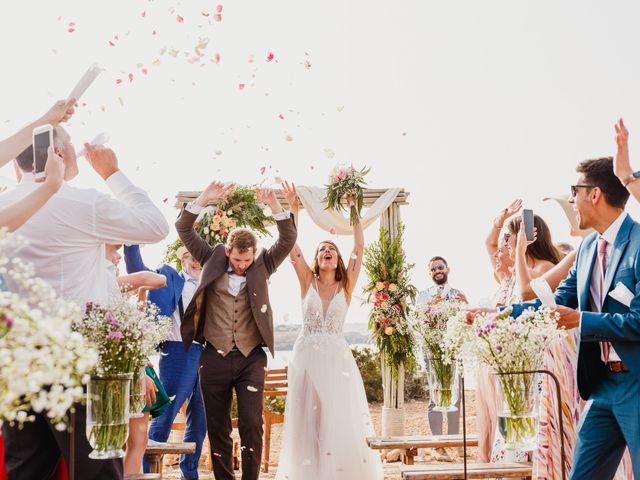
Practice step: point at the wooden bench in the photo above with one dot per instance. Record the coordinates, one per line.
(275, 385)
(156, 451)
(142, 476)
(410, 444)
(474, 470)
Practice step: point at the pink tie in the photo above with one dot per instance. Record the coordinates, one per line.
(602, 262)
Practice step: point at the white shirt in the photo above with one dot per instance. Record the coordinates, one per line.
(445, 291)
(609, 235)
(67, 235)
(189, 289)
(236, 282)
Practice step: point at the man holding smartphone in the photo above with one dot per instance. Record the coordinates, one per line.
(66, 244)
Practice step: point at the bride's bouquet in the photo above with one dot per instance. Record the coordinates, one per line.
(509, 345)
(43, 362)
(346, 180)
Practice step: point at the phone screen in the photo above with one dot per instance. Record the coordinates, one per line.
(40, 146)
(527, 219)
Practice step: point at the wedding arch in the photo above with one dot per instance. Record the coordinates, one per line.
(380, 203)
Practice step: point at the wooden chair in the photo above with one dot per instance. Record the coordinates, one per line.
(474, 470)
(275, 385)
(410, 444)
(157, 451)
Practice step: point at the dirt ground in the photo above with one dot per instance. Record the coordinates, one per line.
(416, 423)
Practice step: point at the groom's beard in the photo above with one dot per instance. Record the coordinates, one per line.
(440, 279)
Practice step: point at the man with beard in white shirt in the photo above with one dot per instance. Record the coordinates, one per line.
(66, 247)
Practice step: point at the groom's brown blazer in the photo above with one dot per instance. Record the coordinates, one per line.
(215, 263)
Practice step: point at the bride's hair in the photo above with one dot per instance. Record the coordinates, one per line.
(341, 270)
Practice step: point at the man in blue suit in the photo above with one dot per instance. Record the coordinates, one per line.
(609, 351)
(178, 369)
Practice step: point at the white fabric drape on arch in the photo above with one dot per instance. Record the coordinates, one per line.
(312, 199)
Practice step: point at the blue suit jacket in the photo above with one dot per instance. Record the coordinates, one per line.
(617, 323)
(167, 297)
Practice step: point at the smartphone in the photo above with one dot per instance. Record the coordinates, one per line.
(527, 219)
(42, 140)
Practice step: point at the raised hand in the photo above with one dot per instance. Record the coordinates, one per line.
(54, 170)
(102, 159)
(290, 194)
(350, 199)
(214, 192)
(60, 112)
(150, 390)
(512, 209)
(621, 163)
(522, 243)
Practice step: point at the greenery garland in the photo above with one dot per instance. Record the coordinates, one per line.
(389, 289)
(241, 209)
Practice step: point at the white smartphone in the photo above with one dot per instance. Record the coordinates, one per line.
(42, 140)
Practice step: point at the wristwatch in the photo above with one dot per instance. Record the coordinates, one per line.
(631, 178)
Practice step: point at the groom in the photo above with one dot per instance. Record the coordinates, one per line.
(231, 314)
(609, 354)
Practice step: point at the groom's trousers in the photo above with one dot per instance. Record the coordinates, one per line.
(218, 377)
(609, 423)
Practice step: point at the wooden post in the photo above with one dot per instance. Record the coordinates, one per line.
(393, 408)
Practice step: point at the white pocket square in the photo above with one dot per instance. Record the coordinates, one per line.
(622, 294)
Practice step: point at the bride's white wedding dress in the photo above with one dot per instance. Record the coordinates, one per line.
(327, 416)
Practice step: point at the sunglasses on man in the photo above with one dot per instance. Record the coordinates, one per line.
(574, 189)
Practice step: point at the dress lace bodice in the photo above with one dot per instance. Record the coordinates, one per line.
(315, 322)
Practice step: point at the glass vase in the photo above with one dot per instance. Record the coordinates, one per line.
(443, 384)
(518, 399)
(108, 415)
(137, 398)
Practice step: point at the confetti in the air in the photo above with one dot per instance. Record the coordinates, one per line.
(130, 76)
(281, 117)
(329, 153)
(218, 8)
(252, 389)
(289, 138)
(332, 231)
(270, 56)
(180, 19)
(143, 14)
(144, 71)
(118, 81)
(205, 14)
(217, 58)
(217, 17)
(340, 108)
(165, 199)
(262, 170)
(263, 309)
(241, 86)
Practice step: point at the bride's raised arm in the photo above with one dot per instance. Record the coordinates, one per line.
(300, 265)
(355, 259)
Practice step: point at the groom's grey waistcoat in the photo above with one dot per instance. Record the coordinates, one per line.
(215, 264)
(229, 320)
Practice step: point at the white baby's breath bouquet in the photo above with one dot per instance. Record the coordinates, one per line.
(43, 362)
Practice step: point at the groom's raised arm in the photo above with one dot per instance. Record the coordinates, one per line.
(287, 231)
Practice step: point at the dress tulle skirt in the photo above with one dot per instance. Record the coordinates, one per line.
(327, 416)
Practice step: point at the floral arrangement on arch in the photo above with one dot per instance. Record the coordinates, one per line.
(388, 290)
(345, 180)
(43, 362)
(240, 209)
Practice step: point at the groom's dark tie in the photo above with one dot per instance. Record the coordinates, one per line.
(602, 263)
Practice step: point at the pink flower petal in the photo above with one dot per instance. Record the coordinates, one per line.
(332, 231)
(180, 19)
(72, 24)
(130, 77)
(241, 86)
(217, 57)
(219, 8)
(111, 43)
(145, 71)
(71, 30)
(116, 37)
(118, 81)
(270, 56)
(165, 199)
(153, 33)
(217, 17)
(281, 117)
(143, 14)
(205, 14)
(262, 170)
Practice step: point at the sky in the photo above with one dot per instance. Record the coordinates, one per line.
(465, 104)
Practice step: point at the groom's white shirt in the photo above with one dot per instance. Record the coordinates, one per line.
(67, 235)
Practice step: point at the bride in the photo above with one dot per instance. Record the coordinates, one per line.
(327, 416)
